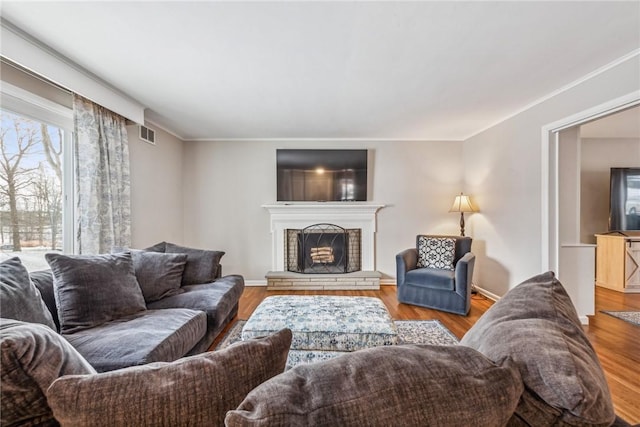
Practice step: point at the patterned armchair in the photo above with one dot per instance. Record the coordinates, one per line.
(437, 273)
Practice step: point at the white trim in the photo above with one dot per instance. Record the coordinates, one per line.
(388, 282)
(23, 102)
(549, 130)
(314, 139)
(252, 283)
(360, 215)
(40, 59)
(486, 293)
(564, 88)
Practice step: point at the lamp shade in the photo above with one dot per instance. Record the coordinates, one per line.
(462, 203)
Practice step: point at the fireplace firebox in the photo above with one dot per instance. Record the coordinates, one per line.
(323, 248)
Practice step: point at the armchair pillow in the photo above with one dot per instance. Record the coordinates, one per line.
(33, 356)
(194, 391)
(436, 252)
(410, 385)
(19, 297)
(93, 289)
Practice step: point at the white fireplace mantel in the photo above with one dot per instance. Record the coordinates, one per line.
(345, 214)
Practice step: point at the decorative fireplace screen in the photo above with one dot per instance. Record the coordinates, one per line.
(323, 248)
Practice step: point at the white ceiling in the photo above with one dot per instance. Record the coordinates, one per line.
(383, 70)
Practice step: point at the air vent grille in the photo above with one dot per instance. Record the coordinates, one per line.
(147, 135)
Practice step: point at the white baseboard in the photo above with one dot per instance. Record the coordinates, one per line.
(486, 293)
(255, 283)
(387, 282)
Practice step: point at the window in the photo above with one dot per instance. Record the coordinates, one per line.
(35, 178)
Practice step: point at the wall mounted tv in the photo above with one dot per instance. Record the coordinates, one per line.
(321, 175)
(624, 200)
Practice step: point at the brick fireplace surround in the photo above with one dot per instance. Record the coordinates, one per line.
(349, 215)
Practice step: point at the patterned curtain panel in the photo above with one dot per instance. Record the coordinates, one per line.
(103, 195)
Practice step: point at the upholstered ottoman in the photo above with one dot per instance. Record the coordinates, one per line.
(323, 326)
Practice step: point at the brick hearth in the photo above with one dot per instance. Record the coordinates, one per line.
(289, 281)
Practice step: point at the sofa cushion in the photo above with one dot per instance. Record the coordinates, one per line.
(436, 252)
(143, 337)
(194, 391)
(202, 265)
(19, 298)
(159, 274)
(536, 325)
(33, 356)
(94, 289)
(433, 278)
(216, 299)
(410, 385)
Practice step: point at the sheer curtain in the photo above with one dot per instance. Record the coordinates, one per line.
(102, 187)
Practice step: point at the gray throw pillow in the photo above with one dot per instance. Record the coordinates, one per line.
(536, 325)
(193, 391)
(202, 265)
(19, 298)
(33, 356)
(158, 247)
(93, 289)
(159, 275)
(412, 385)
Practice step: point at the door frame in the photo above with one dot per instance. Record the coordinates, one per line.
(549, 168)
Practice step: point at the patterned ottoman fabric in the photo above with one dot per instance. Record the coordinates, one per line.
(304, 357)
(329, 323)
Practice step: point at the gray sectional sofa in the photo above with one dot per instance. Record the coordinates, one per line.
(102, 312)
(526, 362)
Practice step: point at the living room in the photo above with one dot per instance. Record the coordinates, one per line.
(205, 183)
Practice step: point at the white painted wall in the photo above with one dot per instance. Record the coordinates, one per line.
(156, 188)
(227, 182)
(598, 156)
(502, 169)
(569, 185)
(576, 262)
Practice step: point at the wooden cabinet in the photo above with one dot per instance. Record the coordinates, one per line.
(618, 261)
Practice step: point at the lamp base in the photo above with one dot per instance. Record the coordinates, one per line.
(462, 224)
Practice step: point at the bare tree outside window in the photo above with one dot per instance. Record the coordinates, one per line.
(30, 189)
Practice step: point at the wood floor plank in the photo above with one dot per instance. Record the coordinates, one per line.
(616, 342)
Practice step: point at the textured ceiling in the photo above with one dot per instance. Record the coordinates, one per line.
(383, 70)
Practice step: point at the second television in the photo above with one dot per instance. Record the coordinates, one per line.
(321, 175)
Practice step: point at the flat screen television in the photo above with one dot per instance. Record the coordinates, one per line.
(624, 200)
(321, 175)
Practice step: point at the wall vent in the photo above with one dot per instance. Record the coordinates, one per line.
(147, 135)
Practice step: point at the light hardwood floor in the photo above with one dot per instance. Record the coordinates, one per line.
(616, 342)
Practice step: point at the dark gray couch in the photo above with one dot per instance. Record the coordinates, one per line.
(526, 362)
(170, 328)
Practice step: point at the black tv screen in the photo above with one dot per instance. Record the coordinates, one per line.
(321, 175)
(624, 200)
